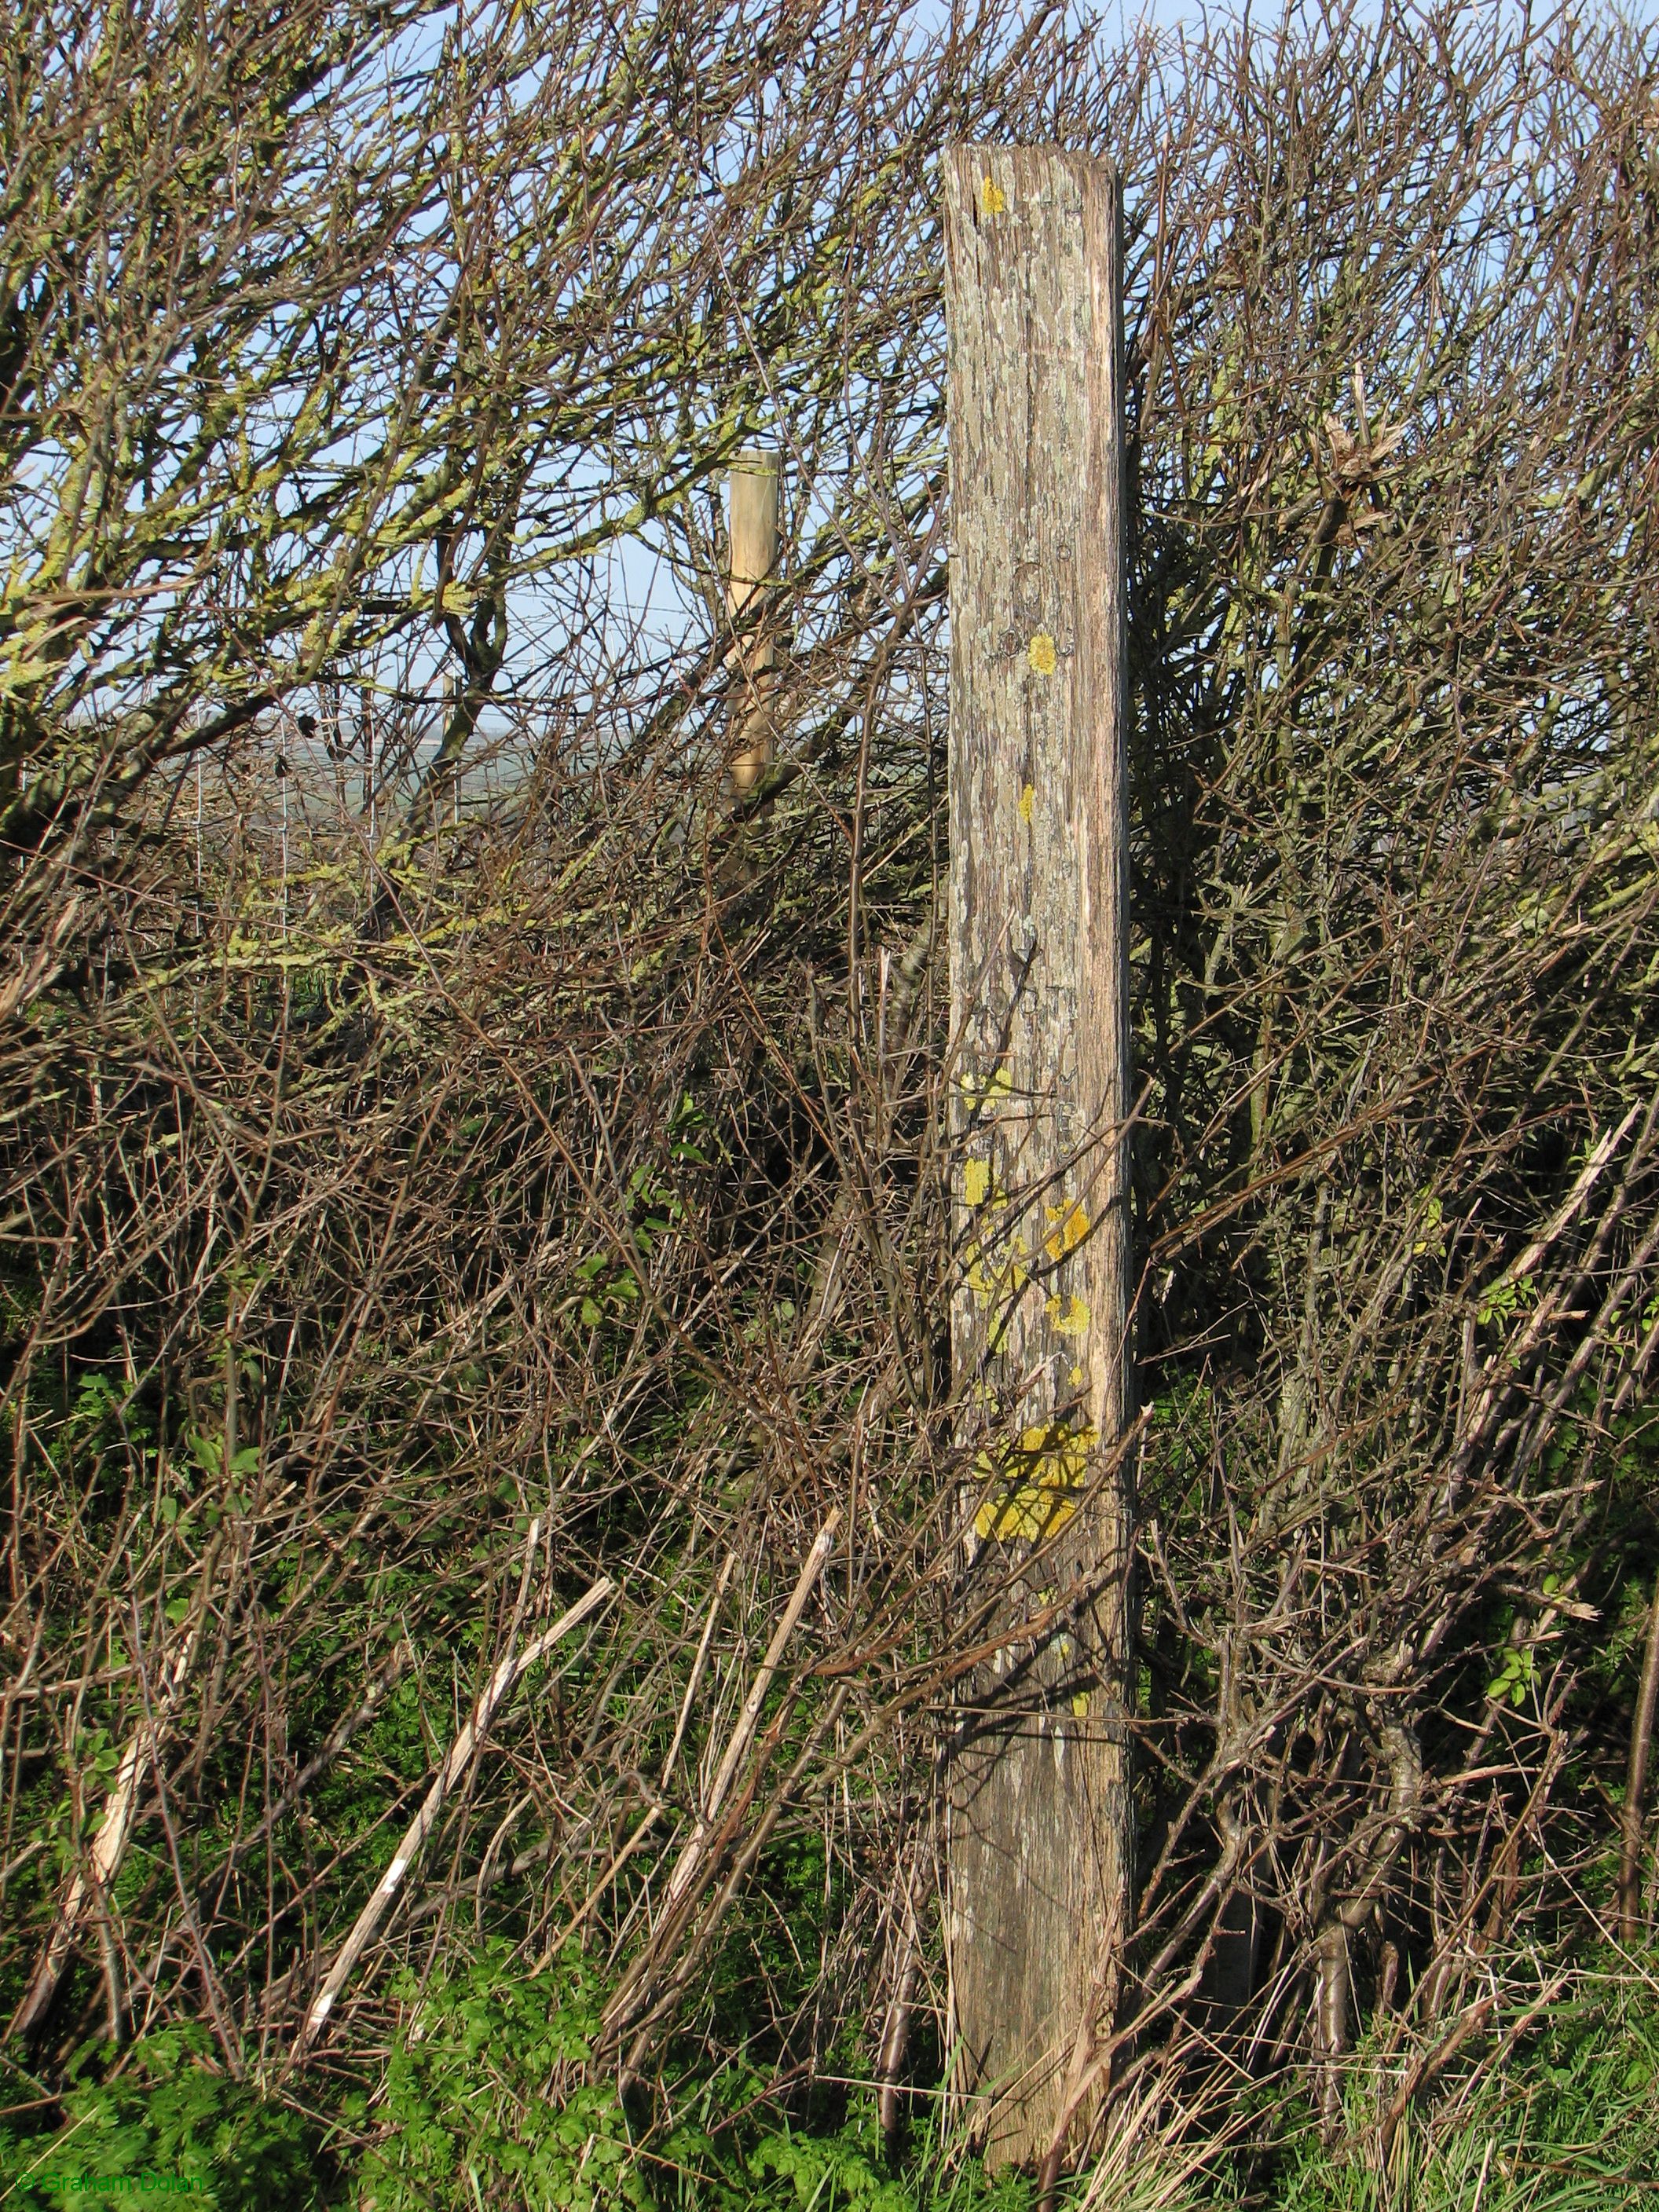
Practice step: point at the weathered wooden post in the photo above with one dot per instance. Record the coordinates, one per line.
(1040, 1827)
(751, 556)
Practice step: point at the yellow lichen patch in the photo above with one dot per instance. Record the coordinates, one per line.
(1042, 655)
(1047, 1470)
(975, 1181)
(1068, 1316)
(1070, 1227)
(1077, 1379)
(1027, 800)
(980, 1092)
(993, 199)
(995, 1277)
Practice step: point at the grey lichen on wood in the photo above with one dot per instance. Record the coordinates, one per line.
(1038, 1811)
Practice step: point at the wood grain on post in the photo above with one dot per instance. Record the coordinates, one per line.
(1039, 1814)
(752, 556)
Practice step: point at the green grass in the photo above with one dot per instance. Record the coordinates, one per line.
(484, 2104)
(1566, 2121)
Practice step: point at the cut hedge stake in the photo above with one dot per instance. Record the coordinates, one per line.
(751, 558)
